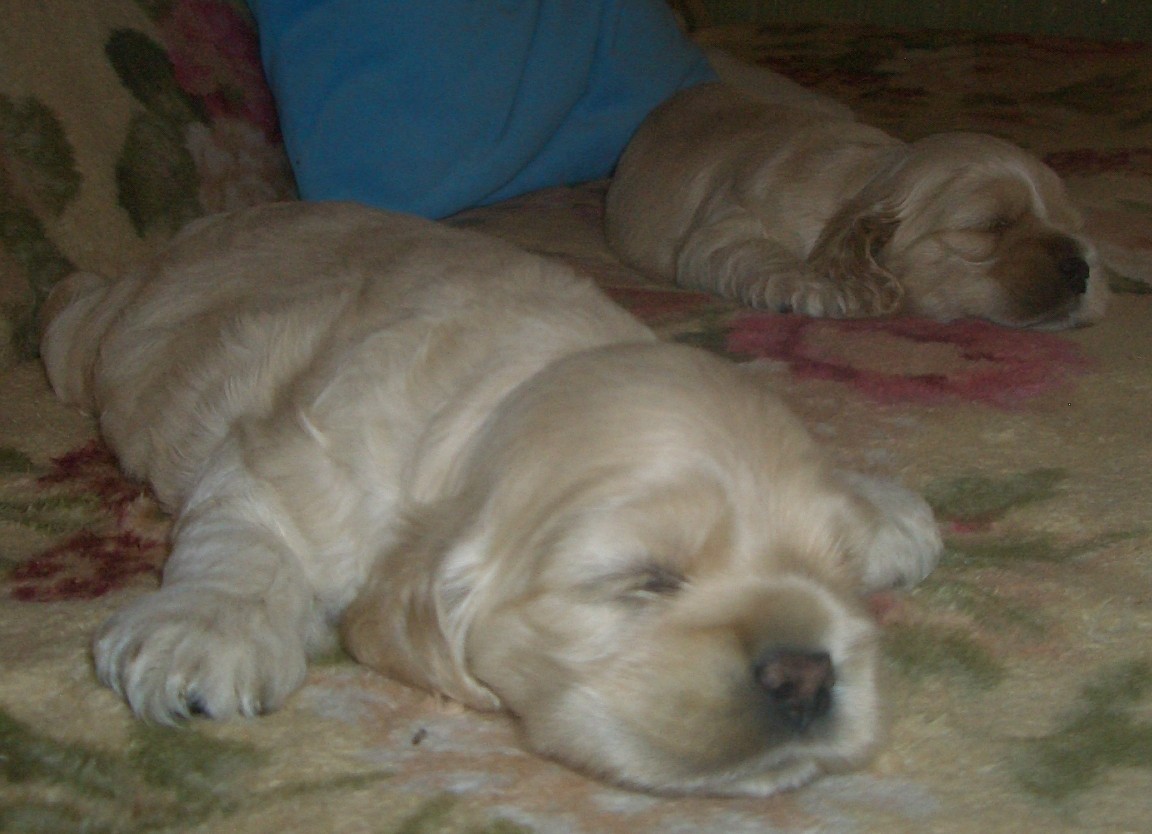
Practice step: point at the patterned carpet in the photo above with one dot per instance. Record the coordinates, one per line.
(1019, 677)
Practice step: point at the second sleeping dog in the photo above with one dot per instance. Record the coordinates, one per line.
(791, 207)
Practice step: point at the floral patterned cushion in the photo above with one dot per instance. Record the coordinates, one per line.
(119, 122)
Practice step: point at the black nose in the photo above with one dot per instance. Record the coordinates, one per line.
(799, 684)
(1074, 270)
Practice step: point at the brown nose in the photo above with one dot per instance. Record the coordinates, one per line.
(799, 683)
(1074, 270)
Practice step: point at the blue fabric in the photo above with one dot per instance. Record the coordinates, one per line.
(433, 106)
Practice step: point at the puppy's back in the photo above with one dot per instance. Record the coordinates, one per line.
(713, 154)
(288, 301)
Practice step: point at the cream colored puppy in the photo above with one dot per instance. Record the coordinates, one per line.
(792, 207)
(505, 487)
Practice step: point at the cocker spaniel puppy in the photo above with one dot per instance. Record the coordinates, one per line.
(790, 207)
(500, 485)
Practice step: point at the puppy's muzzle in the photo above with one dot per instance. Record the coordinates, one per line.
(799, 684)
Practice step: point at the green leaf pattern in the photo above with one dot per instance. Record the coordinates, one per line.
(156, 177)
(156, 174)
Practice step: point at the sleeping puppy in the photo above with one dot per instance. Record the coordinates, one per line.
(500, 485)
(788, 207)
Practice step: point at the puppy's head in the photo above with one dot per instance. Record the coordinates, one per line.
(650, 564)
(974, 226)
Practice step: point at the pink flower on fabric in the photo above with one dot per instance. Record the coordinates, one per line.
(86, 566)
(236, 166)
(913, 360)
(123, 540)
(92, 470)
(216, 57)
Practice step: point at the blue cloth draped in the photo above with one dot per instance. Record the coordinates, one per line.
(433, 106)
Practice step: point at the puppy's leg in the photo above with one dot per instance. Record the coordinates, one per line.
(733, 258)
(900, 541)
(72, 323)
(228, 631)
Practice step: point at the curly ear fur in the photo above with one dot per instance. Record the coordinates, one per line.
(410, 618)
(850, 251)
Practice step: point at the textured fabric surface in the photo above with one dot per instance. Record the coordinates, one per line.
(432, 107)
(1019, 676)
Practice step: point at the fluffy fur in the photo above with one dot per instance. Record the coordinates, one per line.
(501, 485)
(789, 206)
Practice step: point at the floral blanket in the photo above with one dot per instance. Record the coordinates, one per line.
(1019, 677)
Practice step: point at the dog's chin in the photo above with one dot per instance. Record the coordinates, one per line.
(1068, 317)
(1064, 313)
(642, 763)
(967, 291)
(1080, 311)
(675, 706)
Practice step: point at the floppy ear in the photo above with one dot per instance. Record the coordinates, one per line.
(850, 251)
(411, 617)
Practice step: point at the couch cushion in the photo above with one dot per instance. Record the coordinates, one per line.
(120, 121)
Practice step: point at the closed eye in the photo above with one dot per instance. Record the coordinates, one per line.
(657, 581)
(978, 237)
(645, 584)
(998, 224)
(973, 245)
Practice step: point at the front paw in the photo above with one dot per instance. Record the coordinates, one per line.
(863, 297)
(903, 543)
(805, 294)
(187, 651)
